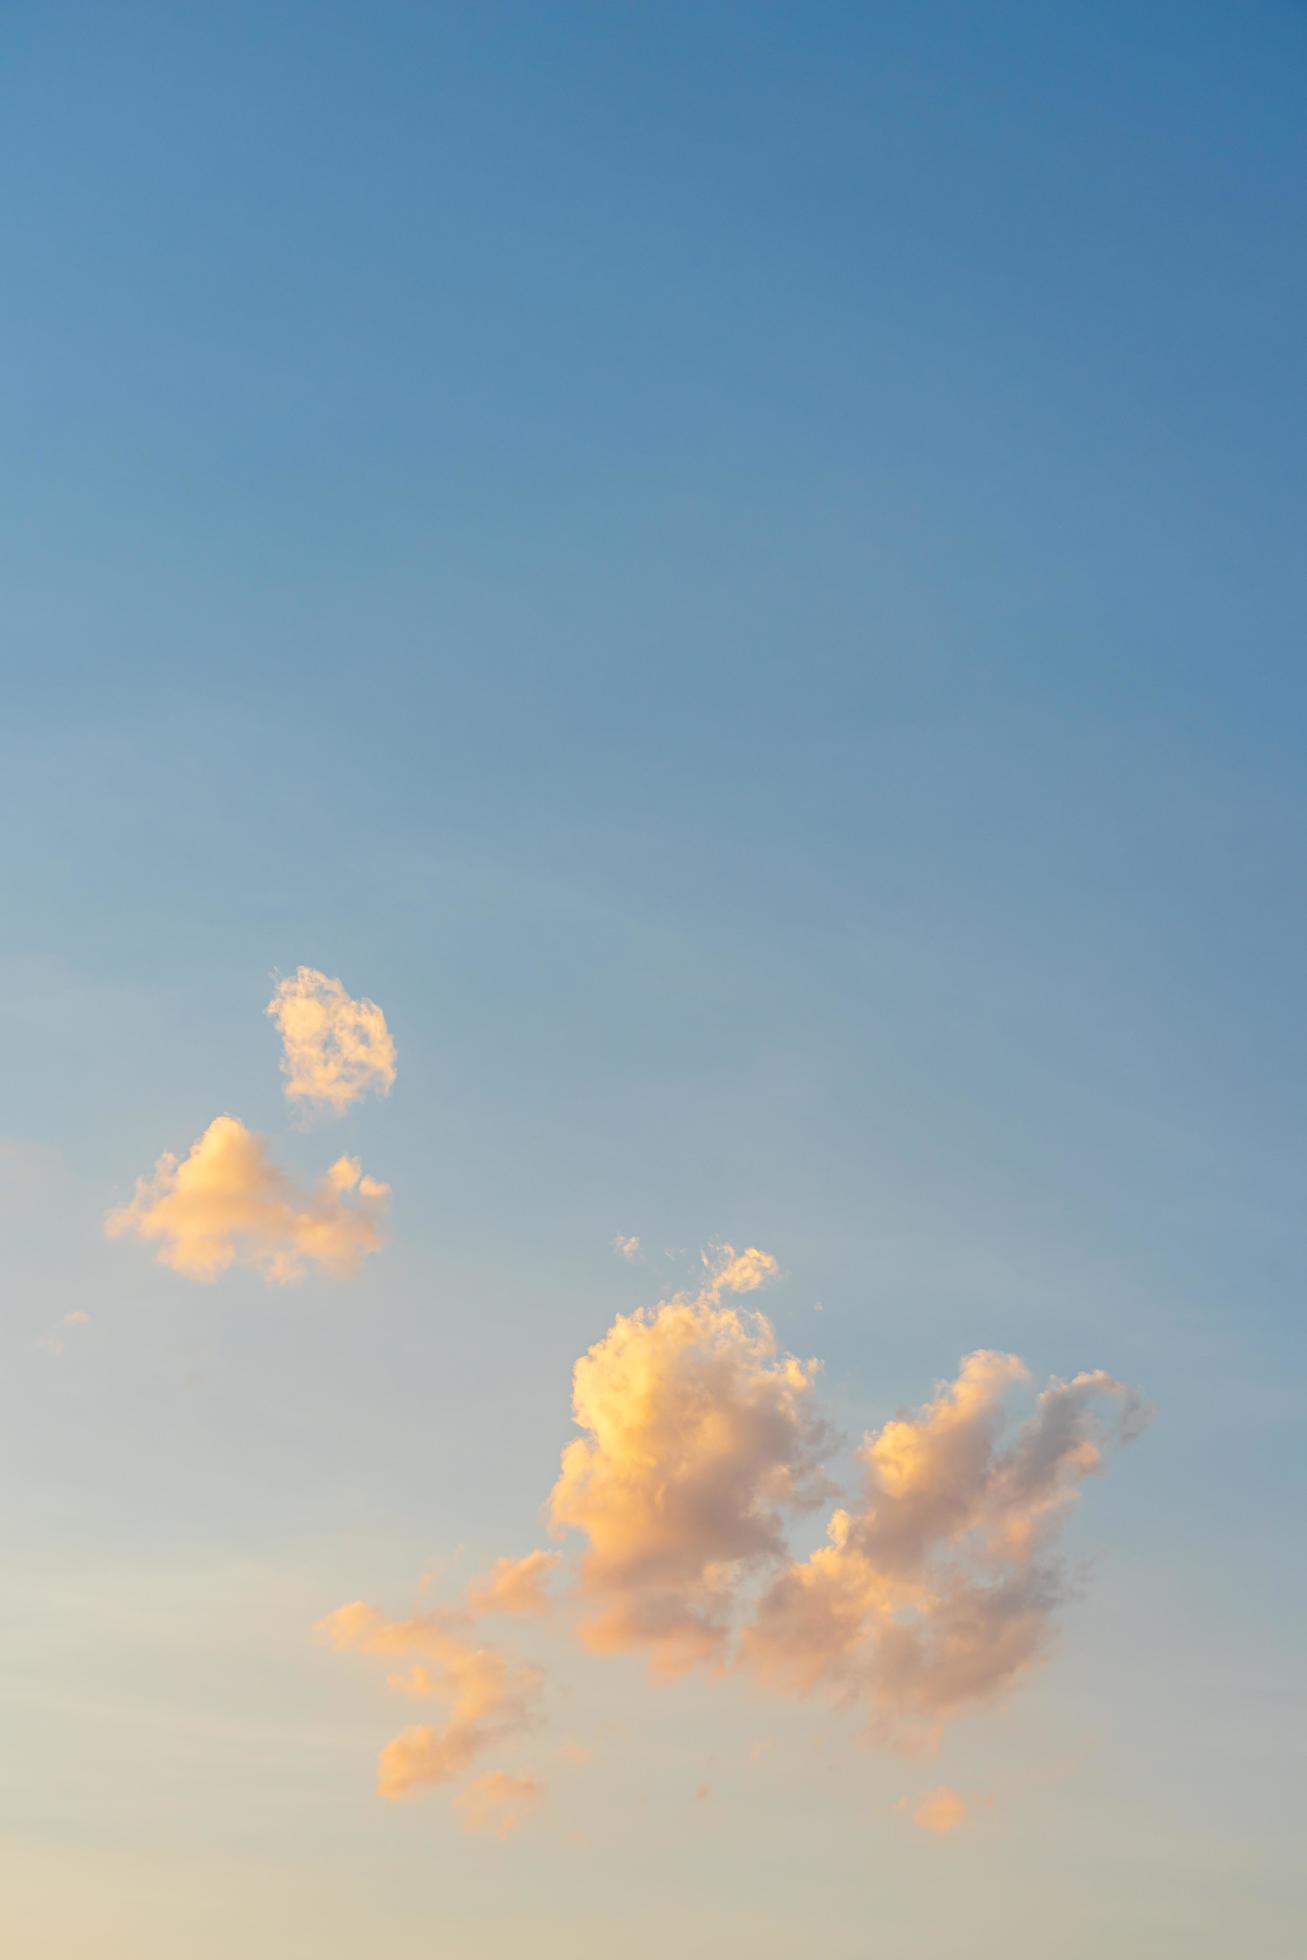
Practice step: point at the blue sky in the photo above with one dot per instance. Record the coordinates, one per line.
(738, 569)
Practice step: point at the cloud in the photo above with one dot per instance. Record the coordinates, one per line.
(227, 1204)
(489, 1696)
(937, 1589)
(940, 1591)
(696, 1436)
(77, 1318)
(334, 1049)
(498, 1802)
(514, 1585)
(421, 1757)
(628, 1248)
(730, 1271)
(939, 1812)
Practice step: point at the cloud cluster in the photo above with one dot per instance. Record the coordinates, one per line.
(940, 1589)
(514, 1585)
(334, 1049)
(935, 1592)
(696, 1438)
(227, 1204)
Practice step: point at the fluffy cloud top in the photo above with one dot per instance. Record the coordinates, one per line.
(489, 1697)
(940, 1590)
(696, 1437)
(228, 1204)
(334, 1049)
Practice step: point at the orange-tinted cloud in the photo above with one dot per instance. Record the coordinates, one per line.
(498, 1802)
(730, 1271)
(334, 1049)
(514, 1585)
(940, 1811)
(696, 1437)
(941, 1589)
(228, 1204)
(489, 1696)
(936, 1591)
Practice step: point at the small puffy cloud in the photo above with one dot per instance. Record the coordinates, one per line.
(497, 1802)
(514, 1585)
(939, 1812)
(228, 1204)
(940, 1590)
(730, 1271)
(628, 1248)
(489, 1697)
(696, 1437)
(77, 1318)
(334, 1049)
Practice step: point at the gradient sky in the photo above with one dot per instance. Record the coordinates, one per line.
(738, 569)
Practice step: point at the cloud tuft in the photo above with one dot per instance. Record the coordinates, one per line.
(334, 1049)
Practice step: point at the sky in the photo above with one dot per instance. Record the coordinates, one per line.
(653, 804)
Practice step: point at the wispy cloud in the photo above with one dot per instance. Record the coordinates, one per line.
(334, 1049)
(514, 1585)
(227, 1204)
(941, 1811)
(498, 1802)
(489, 1696)
(940, 1589)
